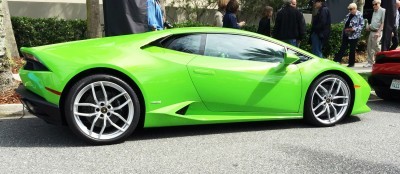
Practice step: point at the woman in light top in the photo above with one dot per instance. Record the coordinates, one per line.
(219, 15)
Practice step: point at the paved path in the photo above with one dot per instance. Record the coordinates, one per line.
(358, 67)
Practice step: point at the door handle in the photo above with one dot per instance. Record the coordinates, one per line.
(204, 71)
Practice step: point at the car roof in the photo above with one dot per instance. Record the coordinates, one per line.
(211, 30)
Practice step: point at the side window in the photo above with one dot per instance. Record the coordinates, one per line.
(184, 43)
(243, 48)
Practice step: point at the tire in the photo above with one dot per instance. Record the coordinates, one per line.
(102, 109)
(328, 101)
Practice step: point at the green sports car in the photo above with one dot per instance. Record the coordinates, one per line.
(104, 89)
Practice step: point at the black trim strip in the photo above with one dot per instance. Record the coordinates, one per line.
(39, 107)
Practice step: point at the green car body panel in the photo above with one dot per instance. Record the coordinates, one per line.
(216, 90)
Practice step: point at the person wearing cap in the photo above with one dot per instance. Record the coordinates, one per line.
(320, 27)
(354, 23)
(375, 32)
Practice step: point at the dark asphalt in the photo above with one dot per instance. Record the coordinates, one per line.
(366, 143)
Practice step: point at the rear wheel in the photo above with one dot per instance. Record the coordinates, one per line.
(102, 109)
(328, 101)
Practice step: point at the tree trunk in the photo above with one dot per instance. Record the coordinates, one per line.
(6, 80)
(11, 45)
(93, 18)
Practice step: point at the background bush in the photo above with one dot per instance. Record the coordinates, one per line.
(190, 24)
(35, 32)
(31, 32)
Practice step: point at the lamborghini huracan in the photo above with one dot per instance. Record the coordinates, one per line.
(104, 89)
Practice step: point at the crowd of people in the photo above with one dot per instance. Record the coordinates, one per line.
(354, 24)
(290, 25)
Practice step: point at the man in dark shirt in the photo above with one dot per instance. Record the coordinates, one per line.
(321, 27)
(289, 25)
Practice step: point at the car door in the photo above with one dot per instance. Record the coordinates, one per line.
(240, 74)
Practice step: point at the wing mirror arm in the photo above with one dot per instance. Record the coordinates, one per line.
(287, 60)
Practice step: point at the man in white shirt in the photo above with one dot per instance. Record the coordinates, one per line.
(375, 29)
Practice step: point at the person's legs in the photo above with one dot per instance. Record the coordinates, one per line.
(375, 47)
(316, 45)
(369, 48)
(395, 39)
(352, 53)
(343, 48)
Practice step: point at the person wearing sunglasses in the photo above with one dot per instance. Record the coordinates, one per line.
(375, 32)
(354, 23)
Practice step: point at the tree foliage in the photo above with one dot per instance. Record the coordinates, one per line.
(31, 32)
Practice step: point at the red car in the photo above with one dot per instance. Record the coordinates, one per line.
(385, 77)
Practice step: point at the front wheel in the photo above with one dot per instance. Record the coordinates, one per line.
(102, 109)
(328, 101)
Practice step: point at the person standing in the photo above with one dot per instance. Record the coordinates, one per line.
(321, 27)
(388, 25)
(264, 26)
(375, 32)
(353, 26)
(219, 15)
(230, 20)
(289, 25)
(395, 37)
(154, 15)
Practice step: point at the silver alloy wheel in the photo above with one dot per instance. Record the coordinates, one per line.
(103, 110)
(330, 100)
